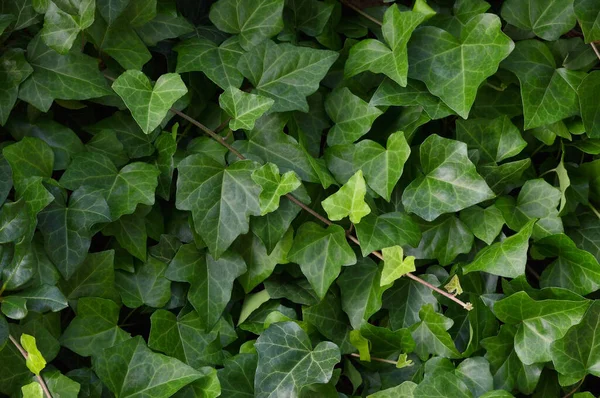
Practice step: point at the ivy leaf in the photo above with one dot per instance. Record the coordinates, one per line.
(73, 76)
(273, 186)
(450, 384)
(163, 21)
(219, 220)
(298, 364)
(43, 298)
(207, 386)
(587, 13)
(14, 68)
(286, 73)
(32, 390)
(485, 224)
(253, 22)
(406, 298)
(395, 265)
(237, 376)
(94, 328)
(390, 59)
(118, 368)
(183, 338)
(349, 200)
(454, 67)
(95, 278)
(450, 183)
(30, 157)
(149, 105)
(549, 94)
(405, 390)
(382, 168)
(548, 20)
(352, 116)
(539, 323)
(506, 258)
(218, 62)
(146, 285)
(576, 353)
(321, 254)
(385, 230)
(35, 360)
(431, 336)
(589, 85)
(244, 108)
(271, 227)
(61, 27)
(130, 232)
(111, 9)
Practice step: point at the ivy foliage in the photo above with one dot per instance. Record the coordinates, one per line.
(299, 198)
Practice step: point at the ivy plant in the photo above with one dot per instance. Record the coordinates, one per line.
(299, 198)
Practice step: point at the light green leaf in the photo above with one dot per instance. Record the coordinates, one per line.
(506, 258)
(377, 232)
(273, 186)
(352, 116)
(253, 21)
(450, 183)
(244, 108)
(577, 353)
(589, 111)
(219, 220)
(219, 63)
(94, 328)
(349, 200)
(454, 67)
(118, 367)
(390, 59)
(485, 224)
(406, 298)
(35, 360)
(588, 14)
(207, 386)
(361, 344)
(321, 254)
(549, 94)
(298, 364)
(548, 19)
(395, 265)
(146, 285)
(32, 390)
(149, 104)
(539, 323)
(286, 73)
(252, 302)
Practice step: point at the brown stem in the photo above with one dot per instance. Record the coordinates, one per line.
(38, 377)
(573, 391)
(221, 126)
(361, 12)
(377, 359)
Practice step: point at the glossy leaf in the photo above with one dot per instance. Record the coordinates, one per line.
(273, 186)
(348, 201)
(395, 265)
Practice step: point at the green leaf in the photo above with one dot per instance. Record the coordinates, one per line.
(150, 104)
(32, 390)
(431, 336)
(574, 269)
(146, 285)
(237, 376)
(577, 354)
(321, 254)
(308, 16)
(406, 298)
(73, 76)
(60, 385)
(35, 360)
(13, 70)
(377, 232)
(549, 94)
(130, 232)
(361, 344)
(273, 186)
(391, 59)
(475, 374)
(95, 278)
(404, 390)
(588, 87)
(286, 73)
(61, 26)
(28, 158)
(382, 168)
(43, 298)
(506, 258)
(207, 386)
(183, 338)
(94, 328)
(395, 265)
(485, 224)
(111, 9)
(539, 323)
(450, 183)
(587, 13)
(14, 308)
(118, 367)
(219, 220)
(166, 146)
(163, 21)
(352, 116)
(495, 140)
(218, 62)
(298, 364)
(547, 19)
(254, 22)
(244, 108)
(361, 291)
(442, 384)
(454, 67)
(349, 200)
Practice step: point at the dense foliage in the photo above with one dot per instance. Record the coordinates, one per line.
(299, 198)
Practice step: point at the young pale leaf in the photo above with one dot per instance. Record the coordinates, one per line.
(149, 105)
(395, 265)
(361, 344)
(454, 67)
(219, 219)
(539, 323)
(352, 116)
(349, 200)
(32, 390)
(35, 360)
(298, 364)
(286, 73)
(391, 59)
(548, 19)
(244, 108)
(273, 186)
(450, 183)
(506, 258)
(253, 21)
(118, 367)
(321, 254)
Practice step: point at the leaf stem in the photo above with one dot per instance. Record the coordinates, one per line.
(361, 12)
(39, 378)
(595, 49)
(574, 390)
(376, 359)
(596, 212)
